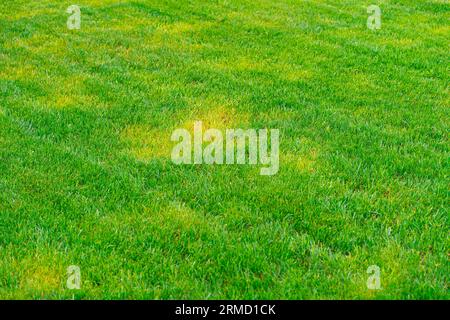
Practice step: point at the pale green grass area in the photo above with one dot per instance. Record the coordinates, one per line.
(86, 177)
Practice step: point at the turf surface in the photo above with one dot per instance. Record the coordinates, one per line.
(86, 177)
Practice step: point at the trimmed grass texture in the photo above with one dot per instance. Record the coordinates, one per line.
(86, 177)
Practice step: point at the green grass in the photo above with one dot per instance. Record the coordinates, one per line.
(85, 171)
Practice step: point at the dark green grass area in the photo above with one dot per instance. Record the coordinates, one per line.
(86, 177)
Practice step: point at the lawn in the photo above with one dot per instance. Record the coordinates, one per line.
(86, 176)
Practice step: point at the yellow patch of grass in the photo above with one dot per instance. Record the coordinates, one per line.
(403, 42)
(215, 113)
(40, 274)
(147, 143)
(241, 64)
(291, 74)
(42, 278)
(303, 162)
(184, 216)
(443, 30)
(19, 72)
